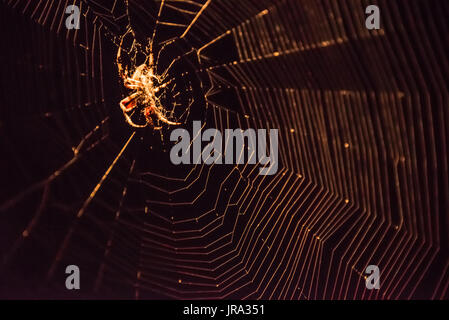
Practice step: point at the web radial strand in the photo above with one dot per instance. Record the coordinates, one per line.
(363, 161)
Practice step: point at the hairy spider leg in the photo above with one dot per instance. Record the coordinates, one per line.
(129, 103)
(131, 123)
(148, 111)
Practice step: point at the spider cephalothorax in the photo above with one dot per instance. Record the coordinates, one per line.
(145, 86)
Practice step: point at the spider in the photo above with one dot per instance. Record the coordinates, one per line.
(145, 85)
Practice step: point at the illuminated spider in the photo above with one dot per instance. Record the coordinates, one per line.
(145, 84)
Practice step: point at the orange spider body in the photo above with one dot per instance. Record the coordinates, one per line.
(145, 85)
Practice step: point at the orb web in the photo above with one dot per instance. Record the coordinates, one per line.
(363, 174)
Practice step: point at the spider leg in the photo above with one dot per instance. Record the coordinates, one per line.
(148, 112)
(151, 58)
(131, 123)
(153, 110)
(129, 103)
(132, 83)
(165, 120)
(162, 86)
(164, 74)
(123, 72)
(167, 43)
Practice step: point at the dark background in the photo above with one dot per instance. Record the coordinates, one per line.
(383, 92)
